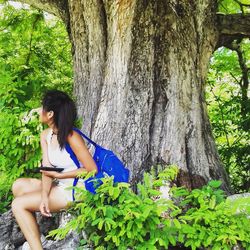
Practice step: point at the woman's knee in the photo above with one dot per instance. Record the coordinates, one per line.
(17, 186)
(29, 202)
(24, 185)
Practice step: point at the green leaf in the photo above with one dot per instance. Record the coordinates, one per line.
(212, 202)
(100, 224)
(172, 240)
(214, 184)
(177, 223)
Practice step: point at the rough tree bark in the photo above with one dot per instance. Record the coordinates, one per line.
(140, 69)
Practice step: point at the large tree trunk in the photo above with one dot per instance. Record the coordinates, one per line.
(140, 70)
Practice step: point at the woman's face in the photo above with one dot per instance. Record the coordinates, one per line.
(45, 116)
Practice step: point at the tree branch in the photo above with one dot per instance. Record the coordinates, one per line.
(244, 83)
(58, 8)
(31, 38)
(234, 24)
(231, 27)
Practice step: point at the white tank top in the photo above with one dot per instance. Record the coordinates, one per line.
(60, 158)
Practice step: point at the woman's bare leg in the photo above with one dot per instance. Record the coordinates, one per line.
(23, 208)
(26, 185)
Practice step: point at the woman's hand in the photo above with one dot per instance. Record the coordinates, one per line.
(52, 174)
(44, 207)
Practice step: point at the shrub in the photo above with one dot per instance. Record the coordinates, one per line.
(19, 148)
(209, 220)
(117, 218)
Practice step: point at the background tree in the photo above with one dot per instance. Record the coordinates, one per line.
(228, 98)
(228, 106)
(140, 70)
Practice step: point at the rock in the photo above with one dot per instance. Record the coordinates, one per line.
(240, 203)
(11, 237)
(9, 232)
(165, 190)
(237, 196)
(237, 247)
(71, 242)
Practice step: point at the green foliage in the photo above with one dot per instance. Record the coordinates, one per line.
(210, 221)
(19, 147)
(234, 6)
(225, 107)
(240, 205)
(34, 57)
(117, 218)
(5, 196)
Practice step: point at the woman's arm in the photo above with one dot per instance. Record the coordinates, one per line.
(46, 181)
(82, 153)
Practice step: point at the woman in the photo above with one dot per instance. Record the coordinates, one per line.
(59, 113)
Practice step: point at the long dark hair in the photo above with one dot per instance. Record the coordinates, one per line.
(64, 113)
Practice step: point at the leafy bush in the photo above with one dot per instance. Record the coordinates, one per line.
(34, 57)
(229, 112)
(117, 218)
(19, 147)
(209, 220)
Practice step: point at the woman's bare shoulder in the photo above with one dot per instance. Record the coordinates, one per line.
(75, 137)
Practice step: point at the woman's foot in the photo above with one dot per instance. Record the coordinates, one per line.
(26, 246)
